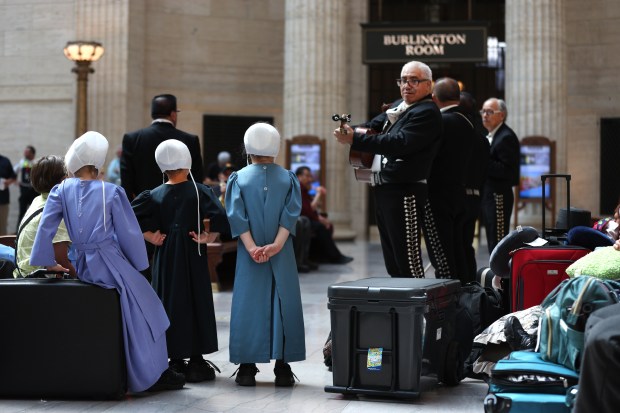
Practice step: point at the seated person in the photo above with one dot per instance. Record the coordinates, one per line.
(603, 234)
(45, 174)
(322, 245)
(301, 245)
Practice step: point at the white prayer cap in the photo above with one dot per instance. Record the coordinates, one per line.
(89, 149)
(223, 156)
(171, 155)
(262, 139)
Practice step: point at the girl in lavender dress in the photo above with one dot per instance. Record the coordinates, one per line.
(110, 251)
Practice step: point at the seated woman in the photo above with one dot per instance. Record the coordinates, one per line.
(46, 172)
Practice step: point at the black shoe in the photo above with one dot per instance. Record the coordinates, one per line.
(200, 370)
(303, 268)
(178, 365)
(343, 259)
(169, 380)
(516, 337)
(284, 374)
(312, 265)
(246, 374)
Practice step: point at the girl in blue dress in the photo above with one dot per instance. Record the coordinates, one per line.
(263, 202)
(110, 251)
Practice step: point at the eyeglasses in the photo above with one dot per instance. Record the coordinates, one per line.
(411, 82)
(489, 112)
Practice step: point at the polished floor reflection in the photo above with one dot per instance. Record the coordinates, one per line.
(223, 395)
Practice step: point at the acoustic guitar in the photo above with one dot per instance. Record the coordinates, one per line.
(360, 161)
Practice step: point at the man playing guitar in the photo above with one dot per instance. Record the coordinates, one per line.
(404, 151)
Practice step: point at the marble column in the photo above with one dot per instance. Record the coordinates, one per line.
(115, 90)
(317, 83)
(536, 92)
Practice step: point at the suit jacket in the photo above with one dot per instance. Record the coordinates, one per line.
(457, 140)
(505, 160)
(410, 145)
(139, 170)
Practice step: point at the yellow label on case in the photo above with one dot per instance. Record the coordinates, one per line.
(375, 358)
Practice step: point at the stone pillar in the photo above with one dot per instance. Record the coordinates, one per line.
(317, 84)
(115, 90)
(536, 92)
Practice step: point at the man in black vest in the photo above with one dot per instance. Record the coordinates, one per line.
(139, 171)
(404, 151)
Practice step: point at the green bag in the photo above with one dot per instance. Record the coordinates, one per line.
(565, 312)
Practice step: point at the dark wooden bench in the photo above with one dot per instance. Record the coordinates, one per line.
(222, 256)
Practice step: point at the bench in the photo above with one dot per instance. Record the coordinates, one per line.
(222, 256)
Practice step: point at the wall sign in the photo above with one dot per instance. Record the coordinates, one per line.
(429, 44)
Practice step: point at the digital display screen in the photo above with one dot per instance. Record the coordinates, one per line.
(535, 161)
(307, 155)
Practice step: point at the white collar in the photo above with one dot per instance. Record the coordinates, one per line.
(447, 107)
(494, 131)
(162, 120)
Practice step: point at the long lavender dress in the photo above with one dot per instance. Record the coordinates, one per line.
(110, 251)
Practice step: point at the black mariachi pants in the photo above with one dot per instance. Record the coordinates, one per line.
(400, 211)
(496, 211)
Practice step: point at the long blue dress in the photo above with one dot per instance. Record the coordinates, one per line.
(110, 251)
(266, 320)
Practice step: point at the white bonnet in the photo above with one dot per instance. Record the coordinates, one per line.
(172, 154)
(89, 149)
(262, 139)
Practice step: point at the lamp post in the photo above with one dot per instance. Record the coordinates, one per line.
(82, 53)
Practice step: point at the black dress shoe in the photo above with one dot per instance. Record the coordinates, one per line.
(303, 268)
(516, 337)
(284, 375)
(169, 380)
(200, 370)
(246, 374)
(343, 259)
(312, 265)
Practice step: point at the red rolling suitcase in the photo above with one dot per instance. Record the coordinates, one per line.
(536, 271)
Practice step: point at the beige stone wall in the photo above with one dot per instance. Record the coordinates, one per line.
(217, 57)
(593, 59)
(227, 57)
(36, 85)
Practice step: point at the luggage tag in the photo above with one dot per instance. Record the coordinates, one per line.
(375, 358)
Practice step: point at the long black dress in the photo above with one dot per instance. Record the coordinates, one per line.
(181, 276)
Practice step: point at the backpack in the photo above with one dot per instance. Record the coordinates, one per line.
(565, 312)
(484, 305)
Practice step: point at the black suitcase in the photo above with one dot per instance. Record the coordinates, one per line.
(60, 339)
(387, 332)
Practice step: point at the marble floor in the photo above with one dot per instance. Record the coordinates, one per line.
(308, 395)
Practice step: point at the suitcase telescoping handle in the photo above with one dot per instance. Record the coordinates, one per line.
(543, 178)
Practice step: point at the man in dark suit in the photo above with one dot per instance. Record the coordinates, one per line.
(404, 150)
(503, 171)
(445, 211)
(475, 175)
(139, 171)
